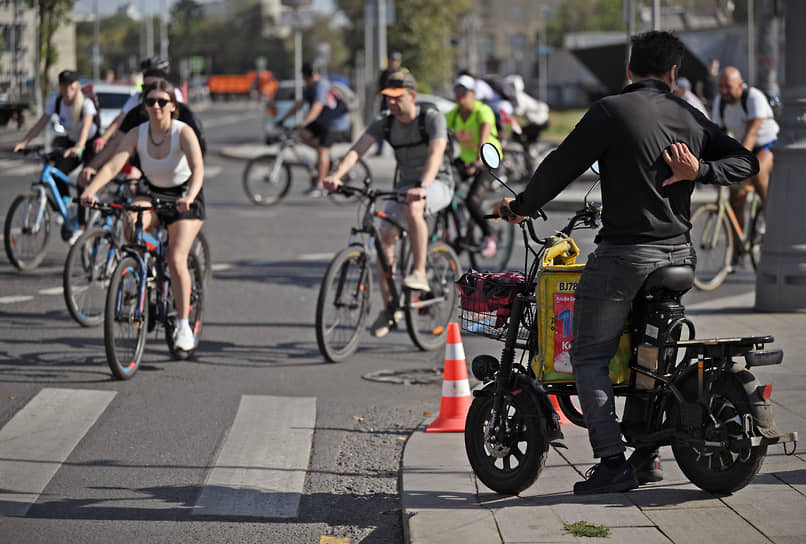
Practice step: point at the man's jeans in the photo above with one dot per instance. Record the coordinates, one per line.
(612, 278)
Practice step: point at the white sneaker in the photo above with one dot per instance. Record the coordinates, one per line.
(183, 338)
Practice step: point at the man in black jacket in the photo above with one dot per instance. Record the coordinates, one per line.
(651, 147)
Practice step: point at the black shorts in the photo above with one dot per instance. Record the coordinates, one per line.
(197, 209)
(325, 137)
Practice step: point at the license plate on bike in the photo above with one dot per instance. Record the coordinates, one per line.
(555, 317)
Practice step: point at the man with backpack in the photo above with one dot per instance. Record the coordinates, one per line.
(325, 123)
(418, 135)
(746, 114)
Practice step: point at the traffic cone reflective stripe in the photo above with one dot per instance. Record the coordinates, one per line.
(456, 398)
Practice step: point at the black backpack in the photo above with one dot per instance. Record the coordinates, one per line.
(387, 126)
(774, 101)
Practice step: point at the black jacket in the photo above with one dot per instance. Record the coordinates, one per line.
(627, 133)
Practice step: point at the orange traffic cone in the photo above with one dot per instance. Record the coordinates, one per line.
(456, 397)
(557, 409)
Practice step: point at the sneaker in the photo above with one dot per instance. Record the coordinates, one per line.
(74, 236)
(416, 282)
(489, 247)
(183, 338)
(316, 192)
(647, 465)
(607, 477)
(384, 322)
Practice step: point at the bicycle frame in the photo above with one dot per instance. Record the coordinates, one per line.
(368, 227)
(724, 209)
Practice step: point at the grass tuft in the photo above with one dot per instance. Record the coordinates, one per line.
(583, 528)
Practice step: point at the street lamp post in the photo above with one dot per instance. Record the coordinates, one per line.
(781, 275)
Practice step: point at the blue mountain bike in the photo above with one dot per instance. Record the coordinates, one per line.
(28, 221)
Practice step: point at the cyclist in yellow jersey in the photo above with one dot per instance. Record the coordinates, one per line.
(473, 123)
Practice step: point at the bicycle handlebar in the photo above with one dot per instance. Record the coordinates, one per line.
(111, 207)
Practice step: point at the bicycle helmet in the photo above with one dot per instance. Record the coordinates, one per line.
(154, 62)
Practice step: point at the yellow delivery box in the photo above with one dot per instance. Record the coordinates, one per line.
(554, 294)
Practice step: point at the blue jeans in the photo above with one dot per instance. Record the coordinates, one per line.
(611, 280)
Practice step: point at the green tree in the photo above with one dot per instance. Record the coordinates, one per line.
(51, 14)
(423, 32)
(582, 15)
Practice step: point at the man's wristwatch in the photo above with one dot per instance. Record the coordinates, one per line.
(419, 183)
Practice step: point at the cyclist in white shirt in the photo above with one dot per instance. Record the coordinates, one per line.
(746, 114)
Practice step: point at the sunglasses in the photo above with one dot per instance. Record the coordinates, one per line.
(151, 102)
(459, 90)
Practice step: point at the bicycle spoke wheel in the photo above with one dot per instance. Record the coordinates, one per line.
(503, 237)
(355, 177)
(343, 304)
(25, 238)
(87, 270)
(197, 291)
(265, 181)
(713, 241)
(201, 249)
(428, 314)
(124, 331)
(757, 230)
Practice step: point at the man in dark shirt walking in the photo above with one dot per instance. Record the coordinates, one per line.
(651, 147)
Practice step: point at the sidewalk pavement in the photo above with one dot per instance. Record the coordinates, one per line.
(443, 502)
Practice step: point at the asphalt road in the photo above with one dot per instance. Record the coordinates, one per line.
(219, 448)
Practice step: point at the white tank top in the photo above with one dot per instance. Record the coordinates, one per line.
(173, 170)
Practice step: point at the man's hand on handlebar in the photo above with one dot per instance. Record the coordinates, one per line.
(332, 183)
(88, 199)
(502, 210)
(415, 194)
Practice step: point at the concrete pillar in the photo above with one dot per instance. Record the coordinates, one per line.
(781, 276)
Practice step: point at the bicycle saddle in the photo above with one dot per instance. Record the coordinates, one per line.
(677, 279)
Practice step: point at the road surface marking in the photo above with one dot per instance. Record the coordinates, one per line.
(260, 470)
(316, 256)
(218, 267)
(52, 291)
(35, 443)
(15, 298)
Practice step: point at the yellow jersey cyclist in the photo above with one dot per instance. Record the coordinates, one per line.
(473, 124)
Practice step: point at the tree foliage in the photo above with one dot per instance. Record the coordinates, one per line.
(424, 32)
(583, 15)
(52, 13)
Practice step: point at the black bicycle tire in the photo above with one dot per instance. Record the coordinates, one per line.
(120, 370)
(196, 314)
(78, 310)
(201, 248)
(435, 338)
(9, 239)
(284, 185)
(758, 218)
(336, 268)
(710, 281)
(503, 251)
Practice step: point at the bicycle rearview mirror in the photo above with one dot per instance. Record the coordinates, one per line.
(490, 156)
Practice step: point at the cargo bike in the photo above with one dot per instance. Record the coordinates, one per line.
(696, 395)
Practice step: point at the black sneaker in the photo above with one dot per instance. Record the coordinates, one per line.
(647, 465)
(603, 478)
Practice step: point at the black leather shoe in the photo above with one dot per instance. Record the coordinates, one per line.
(647, 465)
(602, 478)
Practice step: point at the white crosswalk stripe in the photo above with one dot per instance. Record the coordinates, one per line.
(38, 439)
(260, 470)
(16, 167)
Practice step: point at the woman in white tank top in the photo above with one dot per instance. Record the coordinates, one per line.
(171, 159)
